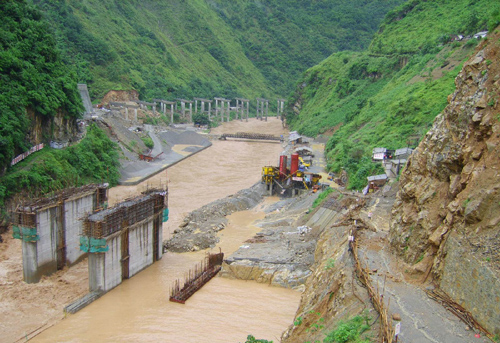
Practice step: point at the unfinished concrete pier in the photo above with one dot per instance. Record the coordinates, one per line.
(123, 240)
(262, 108)
(50, 229)
(280, 108)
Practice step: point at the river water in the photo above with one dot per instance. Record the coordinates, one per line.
(224, 310)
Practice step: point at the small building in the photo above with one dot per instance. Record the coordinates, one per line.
(50, 229)
(456, 38)
(304, 151)
(402, 154)
(123, 240)
(295, 138)
(377, 180)
(378, 154)
(393, 167)
(481, 34)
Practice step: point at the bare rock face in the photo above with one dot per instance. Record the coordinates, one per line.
(448, 205)
(59, 128)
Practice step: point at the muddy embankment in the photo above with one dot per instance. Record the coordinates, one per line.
(281, 253)
(297, 248)
(200, 227)
(309, 250)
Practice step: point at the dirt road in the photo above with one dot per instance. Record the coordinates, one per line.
(422, 319)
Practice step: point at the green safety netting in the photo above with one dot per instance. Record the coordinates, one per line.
(165, 215)
(27, 234)
(93, 244)
(16, 232)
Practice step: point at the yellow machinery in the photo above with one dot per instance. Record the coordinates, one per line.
(268, 174)
(305, 164)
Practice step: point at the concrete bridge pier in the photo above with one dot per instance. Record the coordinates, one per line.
(183, 108)
(281, 107)
(220, 108)
(258, 109)
(240, 103)
(228, 110)
(203, 102)
(262, 108)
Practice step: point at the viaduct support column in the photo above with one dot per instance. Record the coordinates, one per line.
(267, 109)
(258, 106)
(237, 108)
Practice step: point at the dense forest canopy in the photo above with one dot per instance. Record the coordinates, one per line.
(32, 77)
(35, 85)
(199, 48)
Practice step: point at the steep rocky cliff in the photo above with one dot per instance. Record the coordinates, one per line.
(447, 212)
(59, 128)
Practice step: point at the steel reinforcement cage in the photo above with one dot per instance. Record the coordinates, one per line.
(23, 217)
(125, 214)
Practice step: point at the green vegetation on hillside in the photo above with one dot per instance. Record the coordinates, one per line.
(285, 37)
(94, 159)
(162, 49)
(389, 95)
(351, 331)
(197, 48)
(419, 26)
(33, 78)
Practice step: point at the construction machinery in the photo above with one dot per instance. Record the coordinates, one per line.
(304, 163)
(288, 181)
(148, 157)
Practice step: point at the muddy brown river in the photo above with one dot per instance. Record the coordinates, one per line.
(224, 310)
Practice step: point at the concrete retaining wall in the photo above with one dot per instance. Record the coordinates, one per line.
(140, 247)
(472, 283)
(106, 269)
(112, 264)
(75, 210)
(58, 225)
(47, 226)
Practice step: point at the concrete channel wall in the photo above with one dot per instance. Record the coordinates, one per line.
(75, 209)
(105, 269)
(141, 247)
(125, 239)
(50, 229)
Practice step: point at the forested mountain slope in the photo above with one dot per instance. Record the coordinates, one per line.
(206, 48)
(33, 79)
(389, 95)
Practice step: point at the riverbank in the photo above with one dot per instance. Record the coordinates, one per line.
(217, 172)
